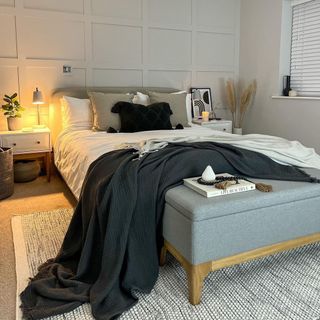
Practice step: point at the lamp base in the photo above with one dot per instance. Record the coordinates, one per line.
(39, 126)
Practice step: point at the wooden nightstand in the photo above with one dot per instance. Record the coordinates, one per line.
(220, 125)
(29, 145)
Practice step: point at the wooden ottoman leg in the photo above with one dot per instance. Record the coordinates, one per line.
(163, 256)
(196, 275)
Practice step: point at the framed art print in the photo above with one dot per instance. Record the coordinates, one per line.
(201, 101)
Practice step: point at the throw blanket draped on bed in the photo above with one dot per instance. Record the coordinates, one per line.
(114, 238)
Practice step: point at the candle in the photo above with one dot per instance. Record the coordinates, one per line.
(205, 116)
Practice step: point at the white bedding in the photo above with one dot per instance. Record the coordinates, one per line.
(76, 150)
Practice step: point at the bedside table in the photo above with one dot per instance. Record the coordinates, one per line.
(220, 125)
(29, 145)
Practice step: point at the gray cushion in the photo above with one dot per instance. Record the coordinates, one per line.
(177, 103)
(102, 104)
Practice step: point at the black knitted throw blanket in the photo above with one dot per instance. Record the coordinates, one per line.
(113, 241)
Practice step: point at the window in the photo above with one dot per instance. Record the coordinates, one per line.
(305, 48)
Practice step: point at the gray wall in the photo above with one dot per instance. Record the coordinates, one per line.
(260, 58)
(170, 43)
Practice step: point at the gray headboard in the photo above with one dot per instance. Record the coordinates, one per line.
(82, 93)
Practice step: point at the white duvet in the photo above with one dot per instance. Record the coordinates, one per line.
(76, 150)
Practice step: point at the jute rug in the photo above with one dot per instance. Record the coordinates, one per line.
(280, 287)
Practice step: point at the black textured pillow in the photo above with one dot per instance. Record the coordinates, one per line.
(136, 117)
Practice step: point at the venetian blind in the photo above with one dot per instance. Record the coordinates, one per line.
(305, 48)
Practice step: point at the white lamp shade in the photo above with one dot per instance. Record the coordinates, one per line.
(37, 97)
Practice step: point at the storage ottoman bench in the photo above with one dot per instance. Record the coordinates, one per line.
(207, 234)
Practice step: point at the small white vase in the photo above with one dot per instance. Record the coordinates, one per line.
(237, 130)
(14, 124)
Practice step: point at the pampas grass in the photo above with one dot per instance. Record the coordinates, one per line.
(231, 97)
(238, 110)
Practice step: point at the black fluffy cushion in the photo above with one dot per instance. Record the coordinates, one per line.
(136, 117)
(179, 126)
(111, 130)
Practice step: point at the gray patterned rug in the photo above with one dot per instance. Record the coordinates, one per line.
(283, 286)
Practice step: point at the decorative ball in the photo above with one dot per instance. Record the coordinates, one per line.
(208, 174)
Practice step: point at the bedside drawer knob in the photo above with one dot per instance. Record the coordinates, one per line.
(14, 144)
(38, 142)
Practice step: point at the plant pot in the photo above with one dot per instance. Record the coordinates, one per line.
(25, 171)
(237, 130)
(14, 124)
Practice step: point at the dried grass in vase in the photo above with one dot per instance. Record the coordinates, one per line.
(238, 110)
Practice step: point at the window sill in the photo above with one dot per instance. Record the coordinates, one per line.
(295, 98)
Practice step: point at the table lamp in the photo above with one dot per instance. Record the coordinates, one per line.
(38, 100)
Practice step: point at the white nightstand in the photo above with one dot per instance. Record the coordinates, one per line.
(220, 125)
(29, 145)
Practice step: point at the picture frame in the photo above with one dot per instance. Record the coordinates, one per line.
(201, 100)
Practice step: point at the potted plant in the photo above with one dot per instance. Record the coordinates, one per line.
(12, 111)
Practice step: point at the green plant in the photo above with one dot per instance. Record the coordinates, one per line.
(12, 108)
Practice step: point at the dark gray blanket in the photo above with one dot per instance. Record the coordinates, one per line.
(114, 238)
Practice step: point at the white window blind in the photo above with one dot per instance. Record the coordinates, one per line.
(305, 48)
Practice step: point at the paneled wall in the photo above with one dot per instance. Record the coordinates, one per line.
(175, 43)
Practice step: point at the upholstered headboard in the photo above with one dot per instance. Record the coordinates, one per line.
(82, 93)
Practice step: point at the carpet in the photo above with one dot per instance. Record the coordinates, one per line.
(279, 287)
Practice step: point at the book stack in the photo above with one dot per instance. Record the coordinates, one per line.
(211, 191)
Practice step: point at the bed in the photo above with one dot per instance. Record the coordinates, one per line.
(188, 220)
(87, 146)
(75, 150)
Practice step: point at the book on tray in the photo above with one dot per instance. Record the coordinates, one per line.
(210, 190)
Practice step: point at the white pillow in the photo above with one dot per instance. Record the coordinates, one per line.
(188, 105)
(141, 98)
(76, 113)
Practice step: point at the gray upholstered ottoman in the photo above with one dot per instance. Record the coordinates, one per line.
(206, 234)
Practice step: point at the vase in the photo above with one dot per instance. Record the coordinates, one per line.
(14, 123)
(237, 130)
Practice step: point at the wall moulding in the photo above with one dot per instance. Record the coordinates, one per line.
(112, 42)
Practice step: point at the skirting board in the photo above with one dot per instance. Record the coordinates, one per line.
(21, 261)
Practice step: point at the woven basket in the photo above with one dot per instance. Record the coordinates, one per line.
(6, 172)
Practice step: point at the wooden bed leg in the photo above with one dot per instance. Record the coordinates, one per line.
(163, 256)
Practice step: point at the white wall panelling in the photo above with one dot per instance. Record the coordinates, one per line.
(121, 78)
(217, 14)
(172, 12)
(8, 47)
(51, 39)
(117, 45)
(116, 42)
(73, 6)
(170, 48)
(127, 9)
(7, 3)
(215, 50)
(172, 79)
